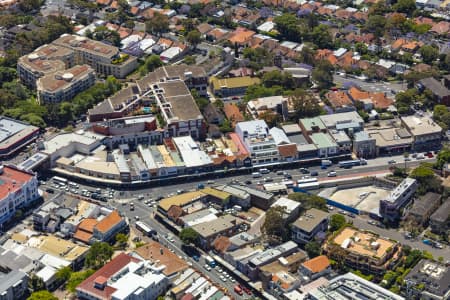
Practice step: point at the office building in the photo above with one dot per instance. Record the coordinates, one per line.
(14, 135)
(226, 225)
(345, 287)
(313, 224)
(397, 199)
(64, 85)
(125, 277)
(17, 189)
(391, 140)
(258, 141)
(14, 284)
(350, 121)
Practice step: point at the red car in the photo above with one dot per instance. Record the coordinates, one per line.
(247, 291)
(238, 289)
(429, 155)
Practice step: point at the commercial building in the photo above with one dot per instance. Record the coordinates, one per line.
(14, 135)
(423, 207)
(397, 199)
(291, 208)
(124, 277)
(258, 141)
(64, 85)
(312, 125)
(342, 140)
(345, 287)
(192, 155)
(362, 250)
(228, 87)
(17, 189)
(258, 198)
(350, 121)
(428, 280)
(226, 225)
(439, 220)
(14, 284)
(324, 143)
(425, 132)
(104, 59)
(45, 60)
(364, 146)
(311, 225)
(391, 140)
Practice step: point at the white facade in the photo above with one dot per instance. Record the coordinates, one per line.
(258, 141)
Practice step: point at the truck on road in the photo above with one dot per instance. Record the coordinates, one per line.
(210, 261)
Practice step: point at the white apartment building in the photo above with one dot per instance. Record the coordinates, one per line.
(258, 141)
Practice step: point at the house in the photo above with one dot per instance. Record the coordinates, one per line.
(314, 268)
(226, 225)
(439, 220)
(213, 115)
(233, 114)
(241, 36)
(313, 224)
(340, 101)
(90, 230)
(423, 207)
(440, 91)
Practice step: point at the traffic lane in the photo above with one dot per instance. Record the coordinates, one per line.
(397, 235)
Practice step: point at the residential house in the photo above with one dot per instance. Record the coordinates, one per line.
(340, 101)
(312, 225)
(440, 219)
(439, 91)
(208, 231)
(423, 207)
(235, 86)
(233, 114)
(314, 268)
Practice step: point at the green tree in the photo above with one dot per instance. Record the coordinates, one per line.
(305, 104)
(151, 63)
(322, 74)
(337, 221)
(194, 38)
(42, 295)
(321, 36)
(188, 236)
(99, 254)
(443, 157)
(405, 6)
(122, 240)
(287, 26)
(307, 56)
(189, 60)
(309, 201)
(63, 274)
(277, 78)
(274, 227)
(36, 283)
(429, 53)
(376, 25)
(313, 249)
(158, 24)
(76, 278)
(428, 181)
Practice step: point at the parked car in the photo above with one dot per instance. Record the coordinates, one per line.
(332, 174)
(427, 242)
(314, 173)
(392, 161)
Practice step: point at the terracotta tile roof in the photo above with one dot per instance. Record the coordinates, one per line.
(381, 101)
(12, 180)
(289, 150)
(233, 113)
(115, 5)
(154, 251)
(204, 28)
(360, 16)
(412, 46)
(218, 33)
(317, 264)
(109, 222)
(87, 225)
(106, 271)
(358, 94)
(441, 27)
(124, 32)
(346, 60)
(83, 236)
(421, 67)
(221, 244)
(166, 42)
(339, 99)
(103, 2)
(134, 10)
(343, 14)
(424, 20)
(398, 44)
(241, 35)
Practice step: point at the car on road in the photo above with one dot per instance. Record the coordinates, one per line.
(223, 278)
(210, 182)
(238, 289)
(314, 173)
(332, 174)
(429, 155)
(136, 218)
(407, 159)
(248, 182)
(392, 161)
(438, 245)
(372, 222)
(408, 235)
(196, 257)
(268, 179)
(352, 215)
(304, 170)
(330, 207)
(208, 268)
(246, 290)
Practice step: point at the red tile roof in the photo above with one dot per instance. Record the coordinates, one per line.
(12, 180)
(221, 244)
(109, 222)
(317, 264)
(338, 99)
(289, 150)
(233, 113)
(83, 236)
(106, 271)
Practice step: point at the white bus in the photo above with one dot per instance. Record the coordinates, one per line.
(306, 180)
(59, 180)
(144, 228)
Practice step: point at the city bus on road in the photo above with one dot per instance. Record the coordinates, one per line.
(144, 228)
(351, 163)
(59, 180)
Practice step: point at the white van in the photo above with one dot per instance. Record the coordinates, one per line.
(256, 175)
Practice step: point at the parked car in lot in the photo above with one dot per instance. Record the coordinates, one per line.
(427, 242)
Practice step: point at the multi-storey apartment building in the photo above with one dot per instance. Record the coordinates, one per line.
(398, 198)
(64, 85)
(258, 141)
